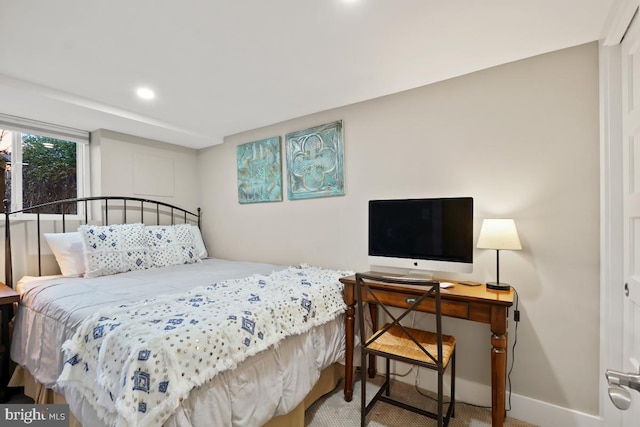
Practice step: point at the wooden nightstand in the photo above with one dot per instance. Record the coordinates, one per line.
(7, 297)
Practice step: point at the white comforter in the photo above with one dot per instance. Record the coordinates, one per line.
(269, 383)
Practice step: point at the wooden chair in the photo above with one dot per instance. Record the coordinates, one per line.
(431, 350)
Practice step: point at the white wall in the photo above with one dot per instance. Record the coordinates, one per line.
(125, 165)
(522, 139)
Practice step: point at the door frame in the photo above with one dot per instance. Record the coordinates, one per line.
(611, 202)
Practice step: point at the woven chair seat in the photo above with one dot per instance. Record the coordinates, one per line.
(395, 341)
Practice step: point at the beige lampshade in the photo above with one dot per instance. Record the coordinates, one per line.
(499, 234)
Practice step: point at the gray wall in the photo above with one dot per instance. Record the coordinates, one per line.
(523, 140)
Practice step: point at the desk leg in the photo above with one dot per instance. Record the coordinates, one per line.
(349, 323)
(498, 365)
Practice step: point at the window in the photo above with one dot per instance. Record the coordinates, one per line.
(41, 163)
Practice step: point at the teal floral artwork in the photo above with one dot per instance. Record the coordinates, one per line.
(260, 171)
(315, 164)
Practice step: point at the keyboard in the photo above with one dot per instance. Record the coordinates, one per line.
(443, 285)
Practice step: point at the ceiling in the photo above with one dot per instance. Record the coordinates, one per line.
(220, 67)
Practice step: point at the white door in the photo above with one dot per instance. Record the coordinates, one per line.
(625, 381)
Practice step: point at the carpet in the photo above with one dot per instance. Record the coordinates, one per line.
(332, 411)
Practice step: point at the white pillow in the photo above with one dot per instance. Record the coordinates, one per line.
(114, 249)
(68, 250)
(201, 249)
(171, 245)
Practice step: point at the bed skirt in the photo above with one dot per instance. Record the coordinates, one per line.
(328, 380)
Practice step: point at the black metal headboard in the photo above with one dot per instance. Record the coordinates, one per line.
(64, 208)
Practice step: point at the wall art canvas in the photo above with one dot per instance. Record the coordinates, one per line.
(315, 165)
(260, 171)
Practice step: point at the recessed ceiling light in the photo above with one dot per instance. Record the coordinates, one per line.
(145, 93)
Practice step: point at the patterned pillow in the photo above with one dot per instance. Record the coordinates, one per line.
(114, 249)
(171, 245)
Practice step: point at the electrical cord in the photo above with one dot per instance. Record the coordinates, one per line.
(393, 374)
(516, 317)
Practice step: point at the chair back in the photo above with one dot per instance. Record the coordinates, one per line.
(372, 288)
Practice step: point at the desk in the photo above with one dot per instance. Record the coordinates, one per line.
(475, 303)
(7, 297)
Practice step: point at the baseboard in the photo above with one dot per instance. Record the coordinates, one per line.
(533, 411)
(545, 414)
(523, 408)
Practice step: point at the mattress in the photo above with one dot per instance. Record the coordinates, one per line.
(270, 383)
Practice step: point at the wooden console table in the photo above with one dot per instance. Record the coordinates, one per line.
(475, 303)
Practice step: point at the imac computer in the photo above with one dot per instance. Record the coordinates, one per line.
(421, 236)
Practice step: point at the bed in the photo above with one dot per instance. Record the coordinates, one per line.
(150, 331)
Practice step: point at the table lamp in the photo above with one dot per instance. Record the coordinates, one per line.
(499, 234)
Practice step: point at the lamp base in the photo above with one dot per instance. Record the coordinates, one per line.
(498, 286)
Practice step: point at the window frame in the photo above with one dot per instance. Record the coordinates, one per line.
(81, 138)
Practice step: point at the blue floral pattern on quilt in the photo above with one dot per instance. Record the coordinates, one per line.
(138, 361)
(114, 249)
(171, 245)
